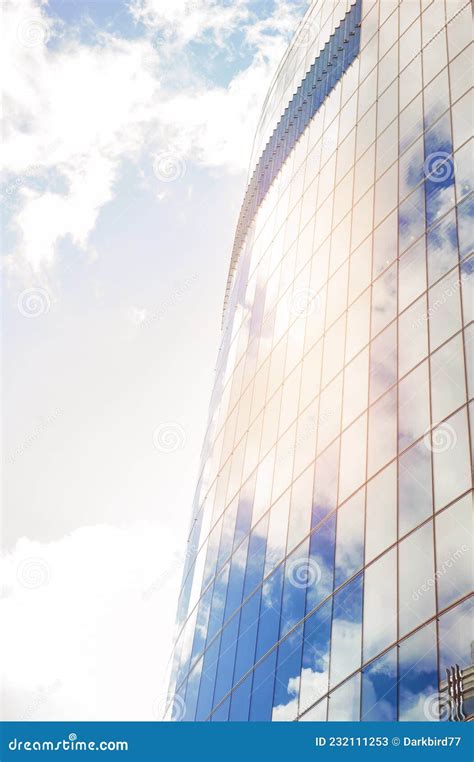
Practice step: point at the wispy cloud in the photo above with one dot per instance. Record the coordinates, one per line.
(76, 111)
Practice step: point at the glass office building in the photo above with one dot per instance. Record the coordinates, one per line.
(328, 571)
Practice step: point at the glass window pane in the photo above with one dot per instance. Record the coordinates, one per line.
(256, 556)
(201, 623)
(418, 687)
(261, 700)
(300, 512)
(329, 413)
(385, 236)
(379, 689)
(346, 630)
(411, 168)
(383, 361)
(356, 383)
(449, 443)
(315, 670)
(411, 274)
(380, 604)
(442, 243)
(358, 325)
(448, 389)
(240, 701)
(461, 114)
(320, 573)
(218, 602)
(344, 703)
(222, 713)
(444, 309)
(467, 288)
(411, 219)
(277, 532)
(439, 170)
(244, 513)
(381, 519)
(306, 434)
(360, 269)
(208, 677)
(353, 455)
(317, 713)
(325, 484)
(410, 79)
(211, 556)
(462, 165)
(384, 300)
(236, 579)
(416, 579)
(350, 537)
(411, 121)
(382, 431)
(244, 657)
(413, 336)
(413, 406)
(387, 145)
(287, 679)
(455, 637)
(192, 691)
(466, 226)
(454, 551)
(270, 608)
(225, 666)
(414, 487)
(297, 574)
(263, 486)
(469, 350)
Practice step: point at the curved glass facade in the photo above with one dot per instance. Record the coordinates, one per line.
(328, 571)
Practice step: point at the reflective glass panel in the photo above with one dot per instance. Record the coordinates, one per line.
(418, 675)
(346, 630)
(379, 689)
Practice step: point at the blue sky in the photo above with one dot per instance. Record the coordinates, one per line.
(113, 282)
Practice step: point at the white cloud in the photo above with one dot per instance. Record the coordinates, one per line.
(184, 21)
(76, 111)
(90, 623)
